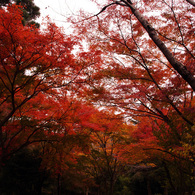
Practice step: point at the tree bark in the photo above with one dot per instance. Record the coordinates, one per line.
(178, 66)
(191, 2)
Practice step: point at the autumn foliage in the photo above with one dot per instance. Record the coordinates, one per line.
(137, 42)
(97, 114)
(31, 60)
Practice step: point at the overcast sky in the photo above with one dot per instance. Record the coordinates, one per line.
(58, 10)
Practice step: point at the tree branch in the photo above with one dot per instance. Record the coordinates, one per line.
(178, 66)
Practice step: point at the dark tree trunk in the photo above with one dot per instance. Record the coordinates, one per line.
(192, 2)
(149, 187)
(59, 185)
(178, 66)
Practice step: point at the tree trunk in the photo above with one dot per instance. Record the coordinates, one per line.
(178, 66)
(111, 186)
(59, 185)
(149, 187)
(192, 2)
(87, 191)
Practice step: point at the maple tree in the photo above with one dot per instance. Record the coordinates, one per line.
(153, 34)
(39, 79)
(34, 65)
(86, 148)
(146, 70)
(54, 92)
(102, 164)
(30, 10)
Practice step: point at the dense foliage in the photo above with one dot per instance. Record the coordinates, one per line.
(114, 118)
(30, 10)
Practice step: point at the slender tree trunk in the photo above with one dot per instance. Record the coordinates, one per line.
(59, 185)
(178, 66)
(87, 191)
(111, 186)
(41, 181)
(169, 178)
(2, 150)
(192, 2)
(149, 187)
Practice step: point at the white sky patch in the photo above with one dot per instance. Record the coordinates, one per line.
(60, 10)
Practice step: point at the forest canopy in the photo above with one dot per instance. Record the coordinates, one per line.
(115, 118)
